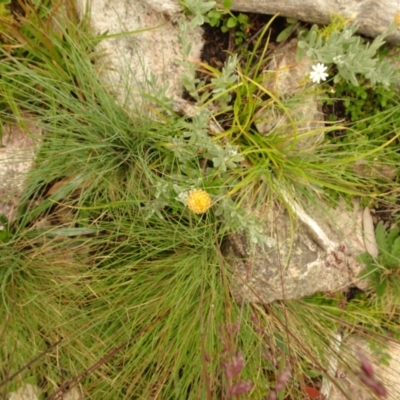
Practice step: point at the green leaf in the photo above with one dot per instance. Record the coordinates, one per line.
(204, 6)
(369, 272)
(395, 253)
(231, 23)
(227, 4)
(243, 18)
(391, 257)
(4, 236)
(380, 287)
(392, 236)
(214, 18)
(301, 45)
(284, 34)
(239, 38)
(381, 241)
(3, 219)
(389, 262)
(313, 373)
(365, 258)
(61, 232)
(214, 14)
(197, 20)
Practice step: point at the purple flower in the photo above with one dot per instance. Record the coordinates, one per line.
(241, 388)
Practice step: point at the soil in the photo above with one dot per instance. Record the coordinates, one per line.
(16, 8)
(218, 45)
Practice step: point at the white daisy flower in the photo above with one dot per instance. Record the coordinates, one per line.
(318, 73)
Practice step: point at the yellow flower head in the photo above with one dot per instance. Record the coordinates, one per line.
(397, 19)
(198, 201)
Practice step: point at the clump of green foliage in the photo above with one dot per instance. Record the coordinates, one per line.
(227, 21)
(384, 271)
(351, 55)
(292, 25)
(218, 16)
(366, 107)
(361, 102)
(4, 9)
(362, 92)
(337, 24)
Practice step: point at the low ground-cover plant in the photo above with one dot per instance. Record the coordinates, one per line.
(373, 115)
(384, 271)
(362, 90)
(351, 55)
(221, 17)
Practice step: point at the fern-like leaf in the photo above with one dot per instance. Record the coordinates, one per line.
(370, 272)
(392, 236)
(391, 260)
(365, 258)
(381, 239)
(396, 252)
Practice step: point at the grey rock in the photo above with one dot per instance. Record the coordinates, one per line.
(168, 7)
(309, 254)
(132, 60)
(17, 154)
(32, 392)
(372, 16)
(26, 392)
(73, 394)
(388, 375)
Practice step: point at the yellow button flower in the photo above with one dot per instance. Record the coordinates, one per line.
(198, 201)
(397, 19)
